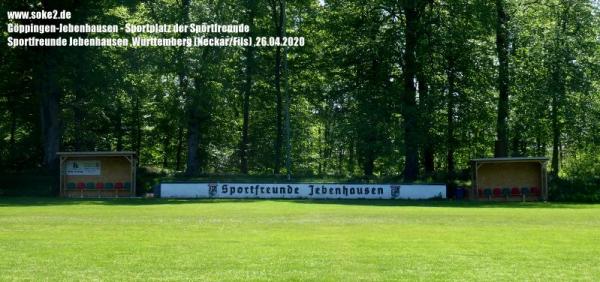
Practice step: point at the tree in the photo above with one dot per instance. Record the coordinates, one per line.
(278, 17)
(250, 6)
(412, 12)
(502, 48)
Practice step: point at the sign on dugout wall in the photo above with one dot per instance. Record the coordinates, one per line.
(301, 191)
(80, 167)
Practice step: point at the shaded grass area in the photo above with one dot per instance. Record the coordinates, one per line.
(141, 239)
(50, 201)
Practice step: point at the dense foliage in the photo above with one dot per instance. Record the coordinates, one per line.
(407, 89)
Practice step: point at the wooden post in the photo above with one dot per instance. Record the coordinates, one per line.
(474, 193)
(60, 177)
(544, 180)
(477, 177)
(132, 176)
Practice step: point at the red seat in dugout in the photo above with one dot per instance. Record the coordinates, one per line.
(497, 192)
(515, 192)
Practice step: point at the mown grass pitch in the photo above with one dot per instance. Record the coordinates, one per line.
(56, 239)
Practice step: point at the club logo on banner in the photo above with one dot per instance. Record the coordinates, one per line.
(301, 190)
(395, 191)
(212, 190)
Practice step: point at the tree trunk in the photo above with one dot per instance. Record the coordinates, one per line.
(428, 146)
(50, 109)
(278, 14)
(321, 156)
(278, 117)
(539, 148)
(251, 10)
(288, 102)
(137, 117)
(193, 140)
(119, 126)
(326, 143)
(50, 126)
(340, 163)
(246, 111)
(196, 118)
(13, 130)
(351, 154)
(450, 140)
(558, 91)
(191, 102)
(426, 106)
(78, 115)
(555, 136)
(411, 162)
(559, 85)
(50, 95)
(369, 160)
(78, 103)
(178, 156)
(193, 126)
(166, 145)
(517, 141)
(501, 146)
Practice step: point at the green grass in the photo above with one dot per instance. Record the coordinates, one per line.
(57, 239)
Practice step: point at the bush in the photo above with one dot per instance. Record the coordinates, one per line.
(29, 184)
(575, 190)
(147, 178)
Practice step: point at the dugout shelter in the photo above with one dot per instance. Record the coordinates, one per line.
(509, 179)
(97, 174)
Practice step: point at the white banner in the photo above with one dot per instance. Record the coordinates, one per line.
(184, 190)
(83, 168)
(301, 191)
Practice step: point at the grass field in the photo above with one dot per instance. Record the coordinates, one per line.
(57, 239)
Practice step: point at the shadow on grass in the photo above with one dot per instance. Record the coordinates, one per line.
(443, 203)
(27, 201)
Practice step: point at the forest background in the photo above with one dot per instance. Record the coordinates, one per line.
(383, 90)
